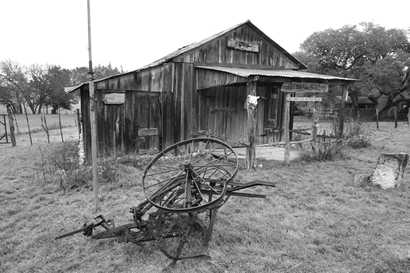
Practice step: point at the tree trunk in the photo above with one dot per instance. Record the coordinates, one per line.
(54, 109)
(32, 107)
(377, 118)
(19, 108)
(39, 109)
(395, 112)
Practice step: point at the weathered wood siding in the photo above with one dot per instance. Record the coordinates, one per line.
(119, 124)
(218, 52)
(153, 99)
(223, 113)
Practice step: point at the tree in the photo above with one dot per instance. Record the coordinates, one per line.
(367, 52)
(14, 84)
(80, 74)
(350, 47)
(39, 86)
(5, 95)
(57, 79)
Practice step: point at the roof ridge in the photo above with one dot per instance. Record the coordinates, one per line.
(194, 45)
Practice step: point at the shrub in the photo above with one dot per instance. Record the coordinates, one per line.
(328, 150)
(60, 164)
(322, 150)
(356, 137)
(357, 142)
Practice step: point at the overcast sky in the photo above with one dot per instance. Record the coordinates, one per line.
(132, 33)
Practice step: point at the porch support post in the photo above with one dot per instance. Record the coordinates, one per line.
(341, 112)
(286, 121)
(251, 125)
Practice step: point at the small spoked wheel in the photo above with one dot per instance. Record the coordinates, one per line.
(181, 236)
(191, 175)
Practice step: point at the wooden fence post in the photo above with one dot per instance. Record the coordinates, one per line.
(59, 124)
(16, 123)
(5, 128)
(78, 122)
(45, 126)
(11, 126)
(315, 129)
(28, 125)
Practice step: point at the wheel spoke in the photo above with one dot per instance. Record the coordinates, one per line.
(163, 172)
(165, 180)
(208, 165)
(188, 200)
(199, 190)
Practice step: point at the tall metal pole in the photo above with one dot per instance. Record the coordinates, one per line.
(92, 113)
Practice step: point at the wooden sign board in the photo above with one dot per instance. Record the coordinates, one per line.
(114, 98)
(305, 87)
(304, 99)
(243, 45)
(142, 132)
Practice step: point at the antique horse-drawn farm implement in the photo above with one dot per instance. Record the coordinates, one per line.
(184, 185)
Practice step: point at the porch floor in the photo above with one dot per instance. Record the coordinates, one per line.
(270, 153)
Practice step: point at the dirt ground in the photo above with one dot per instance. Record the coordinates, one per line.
(316, 219)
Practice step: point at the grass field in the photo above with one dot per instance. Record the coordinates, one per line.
(316, 219)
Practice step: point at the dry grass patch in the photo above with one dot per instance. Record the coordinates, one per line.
(316, 220)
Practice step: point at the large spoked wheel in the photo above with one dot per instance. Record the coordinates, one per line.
(191, 175)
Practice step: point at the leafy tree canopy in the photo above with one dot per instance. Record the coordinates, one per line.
(368, 52)
(38, 86)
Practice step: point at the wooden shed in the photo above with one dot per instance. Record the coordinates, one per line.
(201, 87)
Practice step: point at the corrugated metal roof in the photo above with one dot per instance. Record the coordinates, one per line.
(70, 89)
(246, 72)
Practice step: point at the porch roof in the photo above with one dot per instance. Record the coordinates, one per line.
(283, 74)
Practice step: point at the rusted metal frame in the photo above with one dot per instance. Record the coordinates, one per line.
(87, 230)
(141, 230)
(240, 186)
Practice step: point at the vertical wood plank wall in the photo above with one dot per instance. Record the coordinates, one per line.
(160, 98)
(223, 114)
(217, 52)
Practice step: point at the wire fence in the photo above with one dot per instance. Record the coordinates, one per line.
(28, 129)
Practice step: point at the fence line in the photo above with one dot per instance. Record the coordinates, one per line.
(42, 128)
